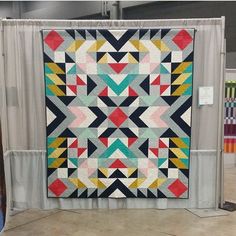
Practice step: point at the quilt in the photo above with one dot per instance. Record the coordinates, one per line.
(118, 108)
(230, 117)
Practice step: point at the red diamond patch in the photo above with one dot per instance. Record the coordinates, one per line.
(182, 39)
(57, 187)
(177, 188)
(118, 117)
(53, 40)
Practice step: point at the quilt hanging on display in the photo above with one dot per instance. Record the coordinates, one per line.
(230, 117)
(118, 106)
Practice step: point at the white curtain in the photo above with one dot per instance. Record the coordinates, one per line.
(24, 86)
(26, 174)
(24, 119)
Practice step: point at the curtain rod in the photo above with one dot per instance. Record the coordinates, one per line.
(230, 70)
(134, 20)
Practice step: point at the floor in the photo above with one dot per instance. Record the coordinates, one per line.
(230, 185)
(131, 222)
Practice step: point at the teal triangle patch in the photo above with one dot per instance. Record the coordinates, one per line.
(148, 134)
(48, 70)
(188, 80)
(188, 91)
(185, 151)
(49, 92)
(185, 161)
(72, 70)
(74, 161)
(50, 151)
(149, 100)
(189, 69)
(50, 161)
(161, 161)
(48, 81)
(164, 70)
(87, 100)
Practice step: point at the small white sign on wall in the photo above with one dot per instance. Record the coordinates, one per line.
(205, 95)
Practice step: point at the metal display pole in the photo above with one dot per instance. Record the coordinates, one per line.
(115, 12)
(219, 193)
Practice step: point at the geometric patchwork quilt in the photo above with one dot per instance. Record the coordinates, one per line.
(118, 107)
(230, 117)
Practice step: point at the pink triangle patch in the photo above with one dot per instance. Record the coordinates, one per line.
(91, 171)
(151, 164)
(153, 66)
(84, 164)
(89, 59)
(82, 66)
(146, 59)
(144, 171)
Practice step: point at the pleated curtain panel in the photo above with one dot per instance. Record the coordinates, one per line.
(2, 187)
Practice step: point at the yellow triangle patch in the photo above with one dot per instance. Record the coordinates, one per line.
(57, 163)
(104, 171)
(57, 142)
(181, 89)
(75, 45)
(103, 60)
(56, 90)
(77, 182)
(57, 152)
(55, 79)
(160, 45)
(181, 78)
(131, 171)
(154, 184)
(160, 181)
(178, 163)
(181, 68)
(99, 44)
(178, 153)
(179, 142)
(55, 68)
(135, 43)
(131, 59)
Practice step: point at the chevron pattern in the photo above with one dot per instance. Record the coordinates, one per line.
(118, 106)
